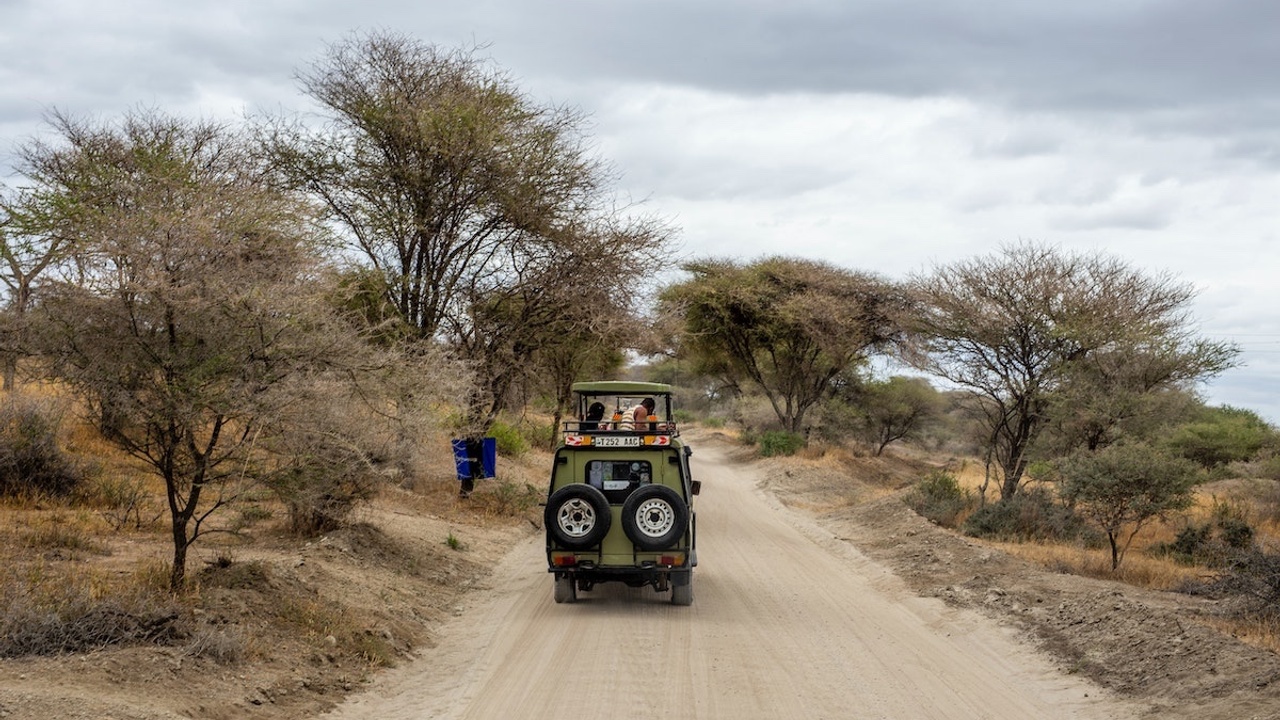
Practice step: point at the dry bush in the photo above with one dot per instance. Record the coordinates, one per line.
(331, 452)
(505, 498)
(122, 501)
(32, 461)
(47, 610)
(224, 644)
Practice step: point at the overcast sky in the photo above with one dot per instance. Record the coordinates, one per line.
(881, 135)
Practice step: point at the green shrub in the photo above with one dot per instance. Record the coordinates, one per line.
(1032, 514)
(32, 461)
(713, 422)
(780, 442)
(537, 434)
(939, 497)
(508, 438)
(1189, 545)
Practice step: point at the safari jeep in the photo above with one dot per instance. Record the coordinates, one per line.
(620, 504)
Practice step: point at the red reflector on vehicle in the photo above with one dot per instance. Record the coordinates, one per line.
(671, 560)
(564, 560)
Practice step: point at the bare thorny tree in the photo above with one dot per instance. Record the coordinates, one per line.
(1023, 329)
(483, 214)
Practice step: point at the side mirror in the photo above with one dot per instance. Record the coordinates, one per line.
(695, 486)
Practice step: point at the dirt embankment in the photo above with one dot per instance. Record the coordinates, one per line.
(280, 628)
(1155, 647)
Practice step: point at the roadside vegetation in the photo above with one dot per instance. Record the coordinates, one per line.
(216, 331)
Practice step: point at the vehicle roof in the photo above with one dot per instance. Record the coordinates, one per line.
(621, 387)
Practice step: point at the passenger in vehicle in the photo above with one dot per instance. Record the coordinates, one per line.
(595, 414)
(639, 415)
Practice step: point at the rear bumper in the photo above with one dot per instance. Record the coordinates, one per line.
(661, 577)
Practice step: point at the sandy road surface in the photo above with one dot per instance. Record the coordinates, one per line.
(786, 623)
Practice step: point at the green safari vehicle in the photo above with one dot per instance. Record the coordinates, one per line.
(620, 504)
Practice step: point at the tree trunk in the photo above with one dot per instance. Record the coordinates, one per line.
(10, 371)
(556, 422)
(178, 573)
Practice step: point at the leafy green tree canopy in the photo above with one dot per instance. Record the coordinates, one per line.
(788, 326)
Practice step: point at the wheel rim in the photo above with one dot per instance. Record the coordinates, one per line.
(655, 518)
(576, 518)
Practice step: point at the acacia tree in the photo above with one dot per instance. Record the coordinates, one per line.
(462, 195)
(1122, 394)
(896, 409)
(1031, 324)
(190, 305)
(588, 347)
(787, 325)
(571, 299)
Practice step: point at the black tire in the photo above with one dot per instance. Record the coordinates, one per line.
(577, 516)
(654, 517)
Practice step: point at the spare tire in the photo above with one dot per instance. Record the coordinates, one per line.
(577, 516)
(654, 517)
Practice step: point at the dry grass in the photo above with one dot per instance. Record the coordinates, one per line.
(1137, 569)
(56, 607)
(1143, 567)
(1259, 632)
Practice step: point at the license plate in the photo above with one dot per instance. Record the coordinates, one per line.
(623, 441)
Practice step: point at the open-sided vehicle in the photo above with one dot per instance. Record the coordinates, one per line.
(620, 504)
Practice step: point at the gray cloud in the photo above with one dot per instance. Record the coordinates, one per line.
(1186, 65)
(881, 134)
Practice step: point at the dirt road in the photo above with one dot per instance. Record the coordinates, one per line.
(787, 622)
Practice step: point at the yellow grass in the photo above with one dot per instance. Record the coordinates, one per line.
(1136, 569)
(1261, 633)
(1253, 500)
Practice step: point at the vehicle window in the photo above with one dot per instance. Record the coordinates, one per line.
(618, 474)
